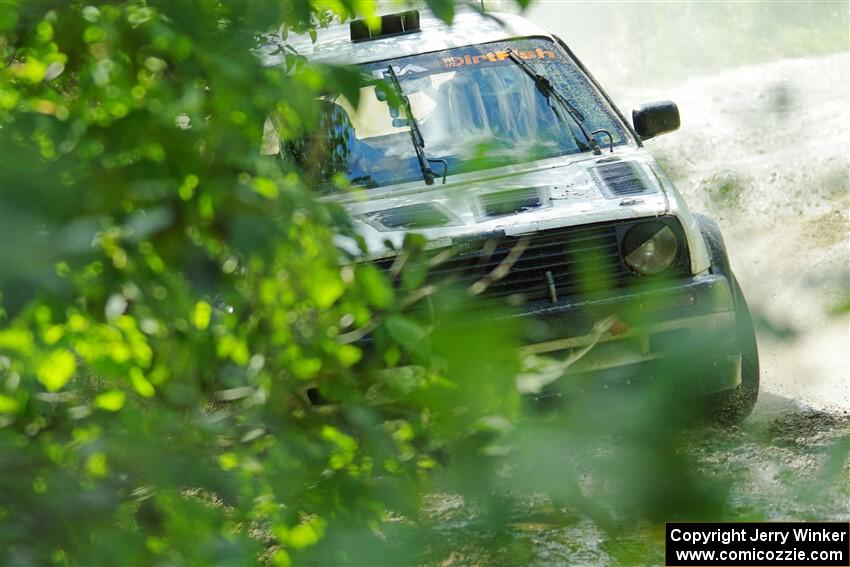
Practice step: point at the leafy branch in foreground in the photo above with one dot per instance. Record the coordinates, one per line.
(174, 295)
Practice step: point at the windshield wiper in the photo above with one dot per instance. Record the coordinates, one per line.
(416, 135)
(547, 89)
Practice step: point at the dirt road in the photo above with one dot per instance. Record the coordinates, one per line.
(764, 150)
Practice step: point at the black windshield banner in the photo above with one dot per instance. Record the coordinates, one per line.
(473, 57)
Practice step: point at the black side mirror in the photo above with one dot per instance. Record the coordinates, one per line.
(655, 118)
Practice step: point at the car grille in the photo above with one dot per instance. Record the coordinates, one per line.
(568, 261)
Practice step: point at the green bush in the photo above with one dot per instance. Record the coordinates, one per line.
(169, 296)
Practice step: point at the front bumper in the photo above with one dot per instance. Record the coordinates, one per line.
(685, 330)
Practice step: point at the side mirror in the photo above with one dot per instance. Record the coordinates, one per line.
(655, 118)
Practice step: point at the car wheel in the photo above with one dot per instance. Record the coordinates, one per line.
(733, 406)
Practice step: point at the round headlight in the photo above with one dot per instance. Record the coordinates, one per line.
(650, 248)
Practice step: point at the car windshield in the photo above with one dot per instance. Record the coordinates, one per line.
(476, 108)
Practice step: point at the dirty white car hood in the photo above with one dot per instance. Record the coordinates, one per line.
(569, 190)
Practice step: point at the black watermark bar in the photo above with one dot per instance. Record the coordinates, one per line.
(758, 543)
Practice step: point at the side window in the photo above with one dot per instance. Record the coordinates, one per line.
(575, 86)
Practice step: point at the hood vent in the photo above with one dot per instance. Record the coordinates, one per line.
(621, 179)
(511, 202)
(409, 217)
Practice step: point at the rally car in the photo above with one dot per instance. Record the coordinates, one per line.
(489, 138)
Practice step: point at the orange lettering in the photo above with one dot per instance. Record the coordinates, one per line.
(493, 57)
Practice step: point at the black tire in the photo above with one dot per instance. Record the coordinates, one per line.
(733, 406)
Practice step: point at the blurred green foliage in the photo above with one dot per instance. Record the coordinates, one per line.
(169, 297)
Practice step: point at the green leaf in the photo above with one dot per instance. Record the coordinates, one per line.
(55, 370)
(228, 461)
(348, 81)
(325, 287)
(345, 450)
(414, 275)
(8, 405)
(375, 286)
(405, 331)
(306, 368)
(349, 355)
(31, 70)
(97, 465)
(113, 400)
(16, 339)
(141, 384)
(442, 9)
(305, 535)
(201, 315)
(266, 187)
(281, 559)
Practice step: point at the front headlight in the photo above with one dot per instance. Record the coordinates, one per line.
(650, 248)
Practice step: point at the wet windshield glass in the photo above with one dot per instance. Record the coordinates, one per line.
(476, 109)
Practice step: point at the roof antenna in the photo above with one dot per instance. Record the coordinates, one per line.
(482, 6)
